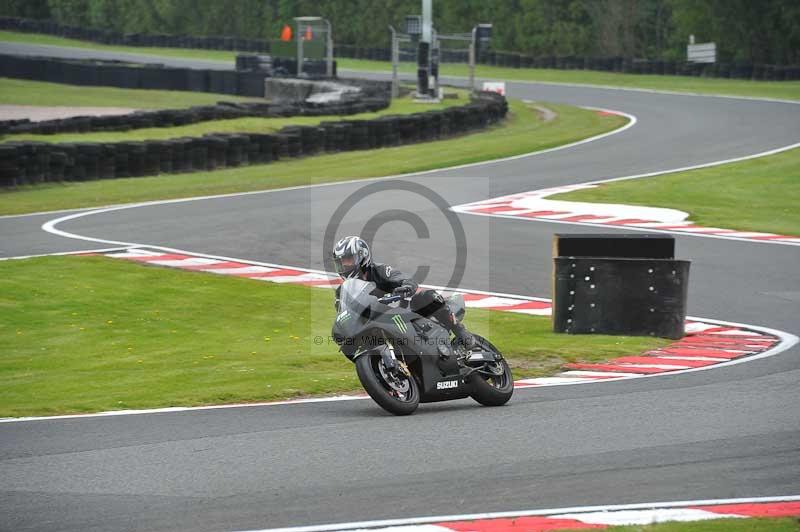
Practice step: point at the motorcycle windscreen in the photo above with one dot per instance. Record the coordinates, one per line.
(356, 296)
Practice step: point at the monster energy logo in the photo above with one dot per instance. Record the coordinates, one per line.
(400, 323)
(343, 317)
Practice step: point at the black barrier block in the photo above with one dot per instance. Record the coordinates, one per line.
(199, 154)
(216, 81)
(265, 147)
(154, 78)
(9, 165)
(250, 84)
(641, 246)
(152, 160)
(121, 155)
(164, 157)
(217, 150)
(640, 297)
(58, 164)
(229, 82)
(235, 150)
(182, 155)
(197, 80)
(120, 76)
(137, 153)
(90, 154)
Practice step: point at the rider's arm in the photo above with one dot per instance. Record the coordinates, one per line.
(390, 279)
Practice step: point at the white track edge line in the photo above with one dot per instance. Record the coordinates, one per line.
(174, 409)
(61, 253)
(528, 513)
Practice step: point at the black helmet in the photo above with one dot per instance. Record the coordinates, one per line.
(351, 256)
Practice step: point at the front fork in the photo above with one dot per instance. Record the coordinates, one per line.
(388, 357)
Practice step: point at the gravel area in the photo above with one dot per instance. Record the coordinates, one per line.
(37, 114)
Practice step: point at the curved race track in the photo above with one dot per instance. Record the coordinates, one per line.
(729, 432)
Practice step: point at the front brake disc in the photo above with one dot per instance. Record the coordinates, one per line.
(392, 379)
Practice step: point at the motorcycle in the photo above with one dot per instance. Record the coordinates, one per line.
(403, 359)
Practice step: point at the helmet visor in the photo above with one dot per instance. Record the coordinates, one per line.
(345, 266)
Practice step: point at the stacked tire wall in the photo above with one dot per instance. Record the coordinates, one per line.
(502, 59)
(30, 163)
(132, 75)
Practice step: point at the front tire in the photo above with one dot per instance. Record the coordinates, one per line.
(492, 388)
(381, 392)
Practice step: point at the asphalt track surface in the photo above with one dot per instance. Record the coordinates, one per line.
(729, 432)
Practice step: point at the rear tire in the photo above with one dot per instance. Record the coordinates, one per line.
(369, 375)
(492, 390)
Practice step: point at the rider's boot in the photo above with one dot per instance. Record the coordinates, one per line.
(449, 321)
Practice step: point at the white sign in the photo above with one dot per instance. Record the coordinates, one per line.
(495, 86)
(702, 53)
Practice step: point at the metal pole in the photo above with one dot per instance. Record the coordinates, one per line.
(395, 61)
(427, 20)
(299, 49)
(435, 54)
(329, 68)
(424, 50)
(472, 54)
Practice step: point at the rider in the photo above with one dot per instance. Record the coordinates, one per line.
(352, 258)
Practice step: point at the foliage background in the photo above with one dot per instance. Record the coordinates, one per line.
(757, 31)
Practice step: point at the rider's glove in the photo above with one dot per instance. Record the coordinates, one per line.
(404, 290)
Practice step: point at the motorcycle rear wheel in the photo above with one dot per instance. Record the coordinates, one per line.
(380, 391)
(492, 390)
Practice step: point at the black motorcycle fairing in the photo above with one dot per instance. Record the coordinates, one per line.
(364, 325)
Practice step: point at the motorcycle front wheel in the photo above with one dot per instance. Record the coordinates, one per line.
(492, 385)
(397, 394)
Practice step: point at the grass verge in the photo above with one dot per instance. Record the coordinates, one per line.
(733, 87)
(756, 195)
(522, 132)
(86, 334)
(399, 106)
(24, 92)
(717, 525)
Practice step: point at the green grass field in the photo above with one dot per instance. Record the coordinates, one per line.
(522, 132)
(399, 106)
(757, 195)
(764, 89)
(717, 525)
(86, 334)
(24, 92)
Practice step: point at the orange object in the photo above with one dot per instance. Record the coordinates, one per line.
(286, 33)
(309, 34)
